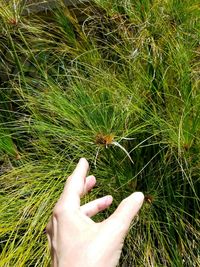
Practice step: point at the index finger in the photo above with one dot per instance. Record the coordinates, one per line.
(126, 211)
(74, 186)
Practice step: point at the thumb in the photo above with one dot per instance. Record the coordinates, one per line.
(127, 210)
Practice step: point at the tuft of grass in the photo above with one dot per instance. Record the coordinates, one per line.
(120, 88)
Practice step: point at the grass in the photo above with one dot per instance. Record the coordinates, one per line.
(128, 75)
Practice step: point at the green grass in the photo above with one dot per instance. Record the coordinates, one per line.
(130, 73)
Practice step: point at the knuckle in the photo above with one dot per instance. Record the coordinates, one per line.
(99, 207)
(61, 211)
(48, 227)
(58, 211)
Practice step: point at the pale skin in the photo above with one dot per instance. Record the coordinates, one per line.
(75, 239)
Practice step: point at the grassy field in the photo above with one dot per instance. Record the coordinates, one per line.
(120, 88)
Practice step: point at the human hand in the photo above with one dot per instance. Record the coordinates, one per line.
(75, 239)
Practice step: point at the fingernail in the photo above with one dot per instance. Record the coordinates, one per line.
(109, 200)
(82, 160)
(139, 197)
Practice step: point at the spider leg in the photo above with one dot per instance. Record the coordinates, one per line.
(122, 148)
(96, 156)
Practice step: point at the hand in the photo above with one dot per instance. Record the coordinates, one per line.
(75, 239)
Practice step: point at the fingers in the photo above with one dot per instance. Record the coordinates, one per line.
(76, 181)
(92, 208)
(75, 185)
(89, 184)
(126, 211)
(49, 229)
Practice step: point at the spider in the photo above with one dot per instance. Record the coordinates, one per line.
(108, 139)
(13, 21)
(149, 199)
